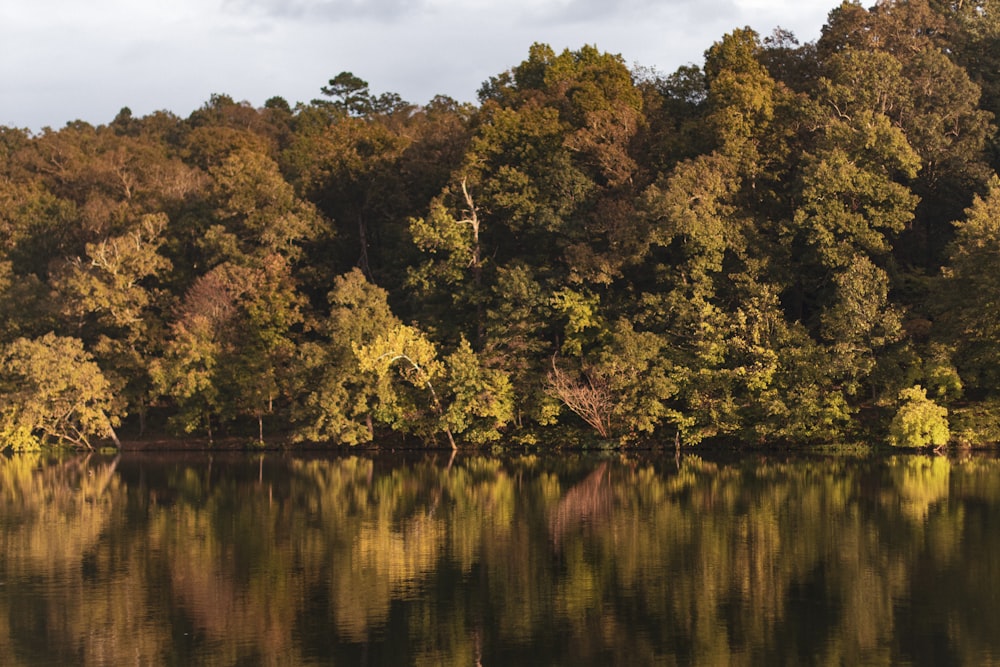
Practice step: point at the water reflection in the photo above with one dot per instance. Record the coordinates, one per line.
(224, 560)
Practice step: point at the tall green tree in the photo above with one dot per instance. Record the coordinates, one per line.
(552, 164)
(258, 211)
(351, 96)
(338, 401)
(348, 167)
(922, 88)
(230, 348)
(410, 379)
(965, 316)
(113, 300)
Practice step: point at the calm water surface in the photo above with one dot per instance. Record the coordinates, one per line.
(629, 560)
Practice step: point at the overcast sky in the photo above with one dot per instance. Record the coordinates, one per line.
(62, 60)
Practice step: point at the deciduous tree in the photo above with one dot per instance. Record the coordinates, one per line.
(52, 389)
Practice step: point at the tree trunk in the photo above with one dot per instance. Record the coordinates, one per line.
(111, 431)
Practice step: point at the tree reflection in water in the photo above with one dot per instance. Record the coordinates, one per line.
(222, 560)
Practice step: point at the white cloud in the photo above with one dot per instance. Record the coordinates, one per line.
(61, 59)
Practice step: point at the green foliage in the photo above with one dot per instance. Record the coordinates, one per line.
(351, 96)
(644, 381)
(455, 395)
(19, 438)
(259, 209)
(966, 296)
(229, 351)
(517, 323)
(584, 324)
(185, 371)
(340, 400)
(741, 96)
(764, 247)
(976, 424)
(919, 421)
(113, 297)
(406, 368)
(693, 209)
(943, 379)
(52, 390)
(452, 274)
(480, 400)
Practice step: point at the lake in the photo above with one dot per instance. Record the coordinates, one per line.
(623, 559)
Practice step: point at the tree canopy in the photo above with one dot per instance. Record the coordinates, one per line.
(780, 244)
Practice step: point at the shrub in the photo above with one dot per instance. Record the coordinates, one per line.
(919, 422)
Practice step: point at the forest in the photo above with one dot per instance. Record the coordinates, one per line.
(789, 244)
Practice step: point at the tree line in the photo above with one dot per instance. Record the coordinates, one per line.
(788, 243)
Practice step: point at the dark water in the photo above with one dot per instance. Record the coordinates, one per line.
(628, 560)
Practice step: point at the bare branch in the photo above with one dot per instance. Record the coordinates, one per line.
(590, 398)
